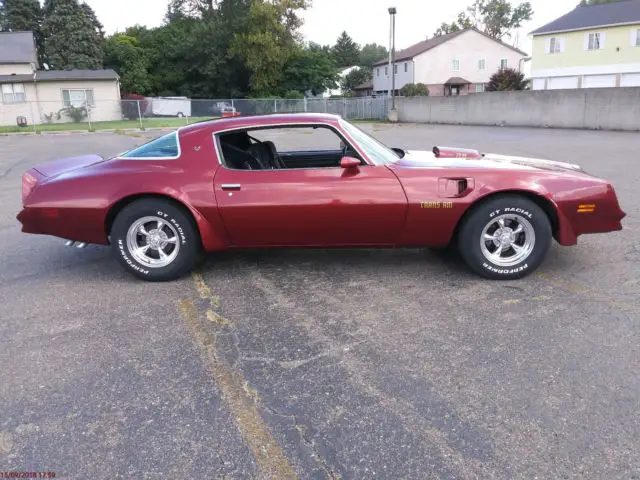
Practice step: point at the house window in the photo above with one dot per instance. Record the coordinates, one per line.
(456, 65)
(406, 67)
(386, 71)
(481, 64)
(13, 93)
(595, 41)
(555, 45)
(77, 98)
(395, 69)
(377, 72)
(503, 63)
(635, 38)
(479, 87)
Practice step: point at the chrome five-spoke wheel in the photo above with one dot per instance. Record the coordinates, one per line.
(153, 242)
(507, 240)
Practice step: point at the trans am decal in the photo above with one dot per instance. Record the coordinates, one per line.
(436, 204)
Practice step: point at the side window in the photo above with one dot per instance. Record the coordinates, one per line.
(166, 146)
(300, 139)
(283, 148)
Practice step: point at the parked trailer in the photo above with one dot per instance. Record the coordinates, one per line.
(169, 107)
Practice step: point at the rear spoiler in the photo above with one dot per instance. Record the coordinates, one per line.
(453, 152)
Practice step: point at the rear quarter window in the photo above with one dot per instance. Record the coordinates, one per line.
(167, 146)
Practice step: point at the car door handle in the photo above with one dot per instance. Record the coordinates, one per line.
(231, 186)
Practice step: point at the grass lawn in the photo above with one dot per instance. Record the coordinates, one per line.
(112, 125)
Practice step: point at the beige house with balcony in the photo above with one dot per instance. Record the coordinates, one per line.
(45, 96)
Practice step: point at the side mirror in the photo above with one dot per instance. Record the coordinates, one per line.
(399, 151)
(349, 162)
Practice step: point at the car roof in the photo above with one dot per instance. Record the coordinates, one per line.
(221, 124)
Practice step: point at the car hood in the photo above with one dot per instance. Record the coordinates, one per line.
(424, 159)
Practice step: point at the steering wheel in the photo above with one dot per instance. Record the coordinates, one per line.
(345, 148)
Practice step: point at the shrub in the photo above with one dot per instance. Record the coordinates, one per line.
(414, 90)
(77, 114)
(507, 79)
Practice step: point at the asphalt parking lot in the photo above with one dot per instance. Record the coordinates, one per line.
(324, 364)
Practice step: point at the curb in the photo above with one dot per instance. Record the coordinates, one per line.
(86, 132)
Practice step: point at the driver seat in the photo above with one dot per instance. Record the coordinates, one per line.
(266, 154)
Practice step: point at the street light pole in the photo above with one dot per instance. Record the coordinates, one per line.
(392, 55)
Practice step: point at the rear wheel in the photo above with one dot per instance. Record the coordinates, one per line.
(505, 238)
(155, 240)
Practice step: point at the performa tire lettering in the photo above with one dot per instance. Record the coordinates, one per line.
(130, 262)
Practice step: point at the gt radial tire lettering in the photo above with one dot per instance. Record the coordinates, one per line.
(129, 261)
(505, 271)
(519, 210)
(175, 224)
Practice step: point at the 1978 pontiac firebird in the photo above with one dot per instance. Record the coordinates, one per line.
(234, 183)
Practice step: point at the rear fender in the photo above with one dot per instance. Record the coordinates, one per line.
(212, 238)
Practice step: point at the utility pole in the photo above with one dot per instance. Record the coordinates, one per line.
(393, 116)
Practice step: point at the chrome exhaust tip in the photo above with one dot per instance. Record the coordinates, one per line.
(69, 243)
(81, 245)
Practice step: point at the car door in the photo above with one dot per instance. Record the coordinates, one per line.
(311, 206)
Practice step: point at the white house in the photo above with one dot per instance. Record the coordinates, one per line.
(453, 64)
(40, 96)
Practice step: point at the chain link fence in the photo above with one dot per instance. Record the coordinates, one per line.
(173, 112)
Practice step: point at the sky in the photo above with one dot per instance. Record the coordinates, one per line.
(366, 21)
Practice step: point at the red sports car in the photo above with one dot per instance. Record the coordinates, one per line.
(311, 180)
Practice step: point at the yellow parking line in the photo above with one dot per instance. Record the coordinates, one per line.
(239, 396)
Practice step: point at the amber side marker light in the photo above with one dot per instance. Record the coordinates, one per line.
(590, 208)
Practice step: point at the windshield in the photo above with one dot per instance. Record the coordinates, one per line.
(377, 151)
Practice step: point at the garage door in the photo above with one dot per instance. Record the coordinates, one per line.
(556, 83)
(538, 84)
(599, 81)
(630, 80)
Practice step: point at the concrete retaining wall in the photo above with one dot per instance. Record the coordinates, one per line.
(598, 108)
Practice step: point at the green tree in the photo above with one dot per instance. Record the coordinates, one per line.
(507, 79)
(91, 15)
(167, 54)
(192, 8)
(371, 53)
(414, 90)
(355, 77)
(124, 54)
(310, 70)
(496, 18)
(71, 38)
(462, 22)
(268, 42)
(23, 15)
(346, 52)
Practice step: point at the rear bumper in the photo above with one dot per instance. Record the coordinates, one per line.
(71, 224)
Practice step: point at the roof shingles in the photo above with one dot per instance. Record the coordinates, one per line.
(615, 13)
(426, 45)
(60, 75)
(17, 47)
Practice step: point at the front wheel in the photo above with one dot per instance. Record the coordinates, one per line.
(155, 240)
(505, 238)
